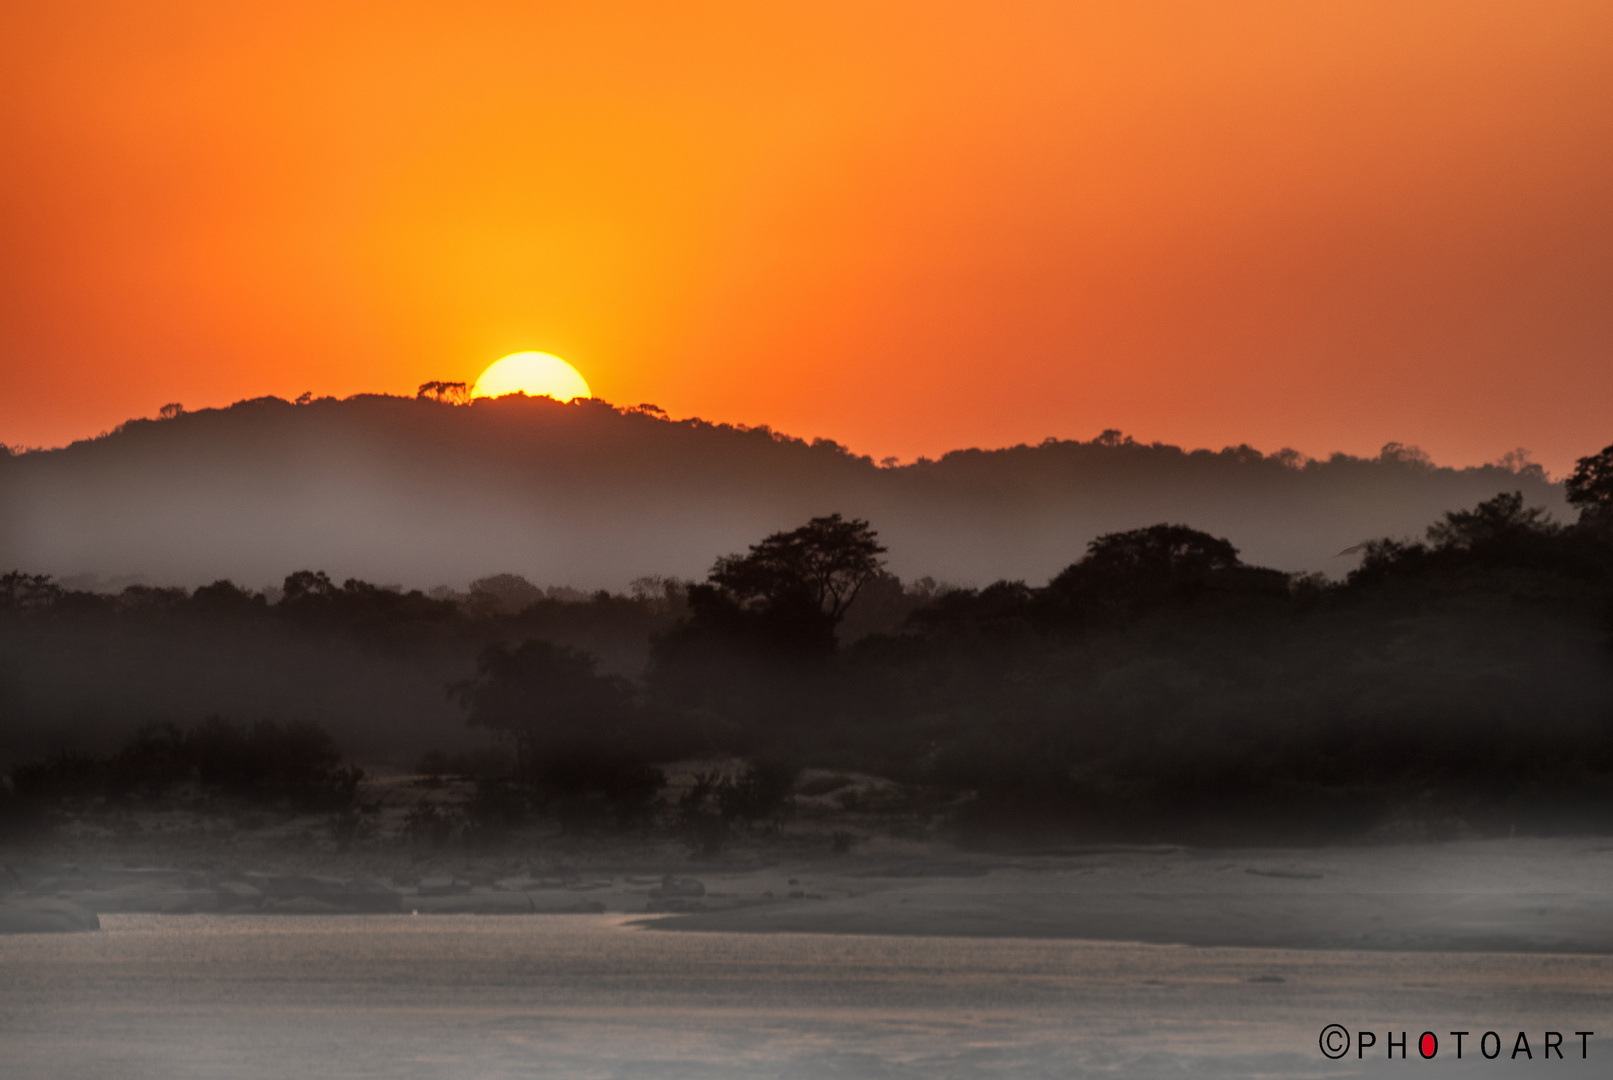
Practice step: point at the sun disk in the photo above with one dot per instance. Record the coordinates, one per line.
(535, 374)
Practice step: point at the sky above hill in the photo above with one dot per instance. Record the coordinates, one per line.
(905, 226)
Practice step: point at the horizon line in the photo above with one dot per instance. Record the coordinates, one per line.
(1515, 461)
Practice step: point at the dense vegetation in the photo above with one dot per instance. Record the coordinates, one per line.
(1157, 688)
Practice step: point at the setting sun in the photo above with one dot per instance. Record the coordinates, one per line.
(535, 374)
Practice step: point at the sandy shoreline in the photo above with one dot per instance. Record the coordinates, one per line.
(1550, 896)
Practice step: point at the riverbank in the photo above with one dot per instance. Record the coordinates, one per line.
(1521, 895)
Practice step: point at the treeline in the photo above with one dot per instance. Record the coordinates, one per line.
(296, 764)
(396, 489)
(82, 671)
(1161, 690)
(1158, 688)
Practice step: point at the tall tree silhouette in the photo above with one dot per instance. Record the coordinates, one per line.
(790, 591)
(1590, 488)
(826, 561)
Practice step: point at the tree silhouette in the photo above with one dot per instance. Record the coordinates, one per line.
(450, 393)
(28, 592)
(1159, 551)
(306, 586)
(1140, 568)
(509, 593)
(1494, 520)
(827, 561)
(225, 597)
(1590, 488)
(546, 699)
(757, 617)
(788, 594)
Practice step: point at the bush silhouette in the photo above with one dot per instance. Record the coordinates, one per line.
(293, 763)
(573, 731)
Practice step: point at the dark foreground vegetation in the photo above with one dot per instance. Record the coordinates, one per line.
(1156, 689)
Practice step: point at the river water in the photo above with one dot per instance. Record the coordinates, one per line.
(597, 997)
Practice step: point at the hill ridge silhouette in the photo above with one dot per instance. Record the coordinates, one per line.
(586, 493)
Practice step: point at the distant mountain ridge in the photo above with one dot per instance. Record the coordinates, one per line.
(420, 492)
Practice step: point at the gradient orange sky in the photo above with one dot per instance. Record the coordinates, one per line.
(906, 226)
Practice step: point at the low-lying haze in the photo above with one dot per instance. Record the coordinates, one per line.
(419, 493)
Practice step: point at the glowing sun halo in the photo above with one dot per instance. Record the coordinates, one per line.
(535, 374)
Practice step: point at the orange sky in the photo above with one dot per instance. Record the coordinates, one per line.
(906, 226)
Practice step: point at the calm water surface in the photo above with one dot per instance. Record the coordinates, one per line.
(590, 996)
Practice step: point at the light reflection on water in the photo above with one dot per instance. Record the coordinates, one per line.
(590, 996)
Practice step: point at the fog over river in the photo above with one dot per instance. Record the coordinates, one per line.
(597, 996)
